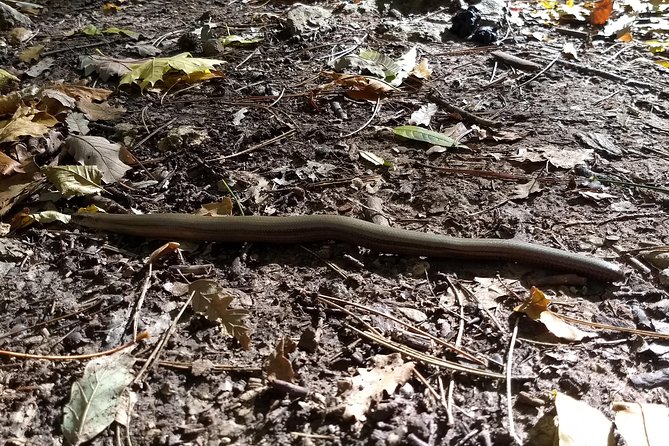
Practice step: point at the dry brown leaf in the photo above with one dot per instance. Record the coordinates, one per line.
(9, 165)
(32, 53)
(221, 208)
(100, 112)
(359, 87)
(600, 15)
(98, 151)
(422, 70)
(81, 92)
(14, 188)
(369, 385)
(213, 302)
(165, 250)
(537, 309)
(9, 103)
(279, 366)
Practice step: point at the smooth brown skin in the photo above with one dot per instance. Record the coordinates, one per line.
(315, 228)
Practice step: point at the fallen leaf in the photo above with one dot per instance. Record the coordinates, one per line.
(14, 129)
(45, 217)
(524, 190)
(374, 158)
(9, 165)
(600, 15)
(77, 124)
(105, 66)
(425, 135)
(359, 87)
(580, 424)
(31, 53)
(94, 398)
(40, 67)
(213, 302)
(100, 112)
(369, 386)
(152, 71)
(75, 180)
(219, 209)
(82, 93)
(423, 115)
(98, 151)
(279, 366)
(166, 249)
(642, 424)
(14, 188)
(536, 308)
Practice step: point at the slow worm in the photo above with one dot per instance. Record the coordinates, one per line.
(315, 228)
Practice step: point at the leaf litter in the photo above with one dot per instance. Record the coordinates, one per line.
(394, 81)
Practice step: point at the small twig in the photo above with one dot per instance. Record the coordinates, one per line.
(546, 68)
(246, 59)
(458, 343)
(259, 146)
(435, 97)
(340, 272)
(140, 300)
(439, 341)
(376, 109)
(478, 173)
(141, 336)
(509, 401)
(420, 356)
(427, 384)
(74, 48)
(640, 186)
(163, 340)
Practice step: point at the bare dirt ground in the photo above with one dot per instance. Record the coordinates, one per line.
(68, 291)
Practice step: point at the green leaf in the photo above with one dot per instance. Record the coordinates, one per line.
(75, 180)
(94, 398)
(425, 135)
(91, 30)
(126, 32)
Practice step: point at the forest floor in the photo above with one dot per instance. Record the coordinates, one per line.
(560, 154)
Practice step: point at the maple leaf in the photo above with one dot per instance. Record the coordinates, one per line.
(150, 72)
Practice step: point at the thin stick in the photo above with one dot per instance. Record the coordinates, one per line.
(376, 109)
(546, 68)
(143, 335)
(453, 348)
(509, 366)
(140, 301)
(88, 45)
(163, 340)
(261, 145)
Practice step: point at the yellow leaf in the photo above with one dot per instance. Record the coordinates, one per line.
(6, 77)
(150, 72)
(21, 126)
(32, 53)
(75, 180)
(110, 8)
